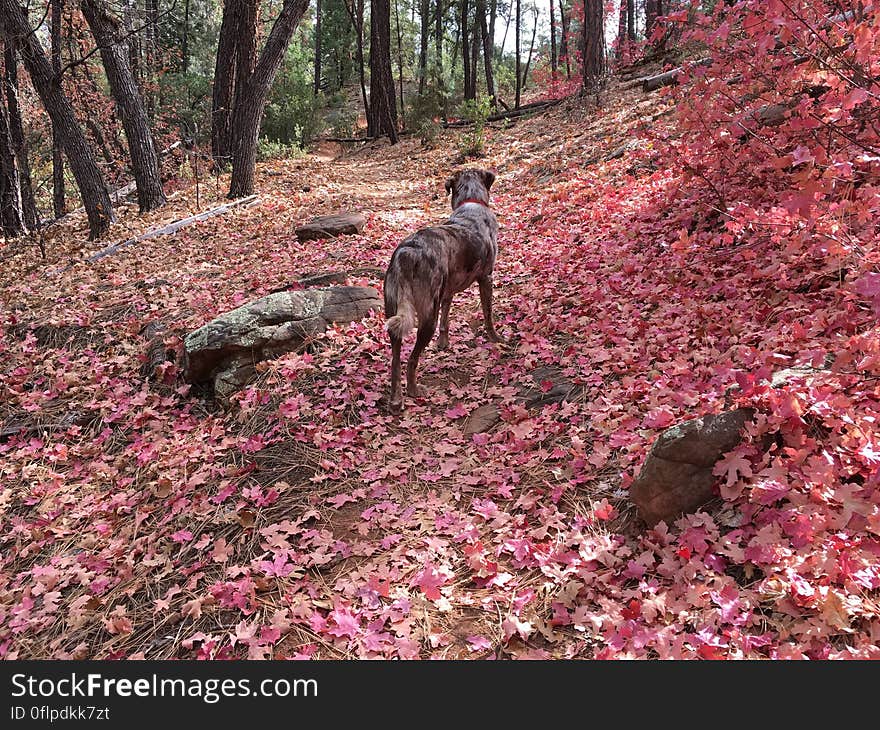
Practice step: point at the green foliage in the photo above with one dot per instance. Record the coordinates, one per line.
(337, 46)
(186, 102)
(294, 113)
(472, 142)
(424, 114)
(270, 149)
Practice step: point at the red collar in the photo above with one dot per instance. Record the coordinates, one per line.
(471, 200)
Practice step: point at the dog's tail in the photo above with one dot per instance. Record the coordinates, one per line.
(400, 313)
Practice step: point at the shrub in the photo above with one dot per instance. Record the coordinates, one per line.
(472, 142)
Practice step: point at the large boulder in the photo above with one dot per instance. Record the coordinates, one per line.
(226, 350)
(677, 476)
(330, 226)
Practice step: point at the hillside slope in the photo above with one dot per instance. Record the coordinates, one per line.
(307, 521)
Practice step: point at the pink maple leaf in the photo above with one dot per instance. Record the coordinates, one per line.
(345, 623)
(430, 580)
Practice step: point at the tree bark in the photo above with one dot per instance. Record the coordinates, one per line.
(531, 49)
(249, 111)
(399, 54)
(631, 20)
(88, 176)
(438, 52)
(224, 85)
(19, 143)
(593, 43)
(184, 41)
(554, 64)
(518, 56)
(382, 118)
(465, 49)
(356, 14)
(57, 155)
(424, 9)
(245, 48)
(317, 47)
(488, 48)
(152, 23)
(11, 214)
(109, 35)
(563, 38)
(476, 44)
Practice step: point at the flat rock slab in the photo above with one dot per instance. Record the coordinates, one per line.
(550, 387)
(677, 476)
(227, 349)
(330, 226)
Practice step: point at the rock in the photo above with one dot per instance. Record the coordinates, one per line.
(482, 419)
(677, 476)
(227, 349)
(330, 226)
(560, 388)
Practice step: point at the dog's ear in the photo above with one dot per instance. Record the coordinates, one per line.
(450, 183)
(488, 178)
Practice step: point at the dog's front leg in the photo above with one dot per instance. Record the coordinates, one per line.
(486, 300)
(443, 339)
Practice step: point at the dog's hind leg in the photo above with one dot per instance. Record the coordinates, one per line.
(423, 337)
(486, 300)
(443, 340)
(396, 390)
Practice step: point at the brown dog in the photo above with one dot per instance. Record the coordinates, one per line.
(431, 265)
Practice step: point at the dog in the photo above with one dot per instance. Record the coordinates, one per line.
(430, 266)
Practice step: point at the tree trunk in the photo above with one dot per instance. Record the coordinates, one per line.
(57, 155)
(465, 49)
(563, 38)
(518, 56)
(88, 177)
(399, 54)
(184, 41)
(488, 48)
(245, 49)
(438, 52)
(109, 34)
(631, 20)
(554, 64)
(593, 43)
(11, 213)
(383, 109)
(531, 49)
(652, 11)
(249, 112)
(424, 9)
(224, 84)
(19, 143)
(317, 47)
(356, 15)
(152, 22)
(476, 44)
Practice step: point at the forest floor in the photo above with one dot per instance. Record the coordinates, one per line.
(138, 518)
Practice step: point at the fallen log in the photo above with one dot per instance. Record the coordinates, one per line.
(522, 111)
(652, 83)
(172, 227)
(163, 231)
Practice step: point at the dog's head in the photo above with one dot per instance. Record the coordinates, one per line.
(470, 184)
